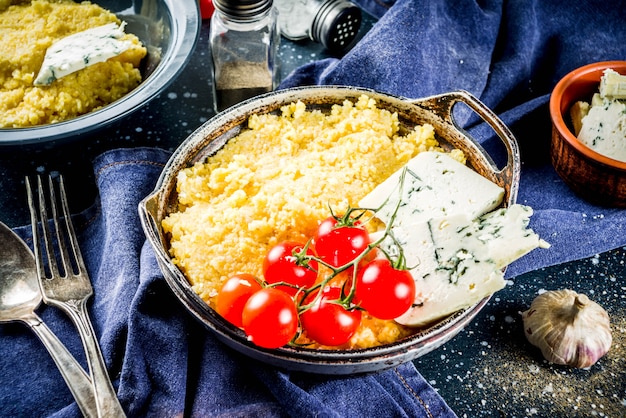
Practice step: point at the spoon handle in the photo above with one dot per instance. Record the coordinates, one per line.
(77, 380)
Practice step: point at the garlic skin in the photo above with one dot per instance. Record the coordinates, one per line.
(568, 327)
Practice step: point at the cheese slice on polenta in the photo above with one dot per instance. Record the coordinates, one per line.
(80, 50)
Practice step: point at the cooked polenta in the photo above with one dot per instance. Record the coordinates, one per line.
(275, 181)
(27, 29)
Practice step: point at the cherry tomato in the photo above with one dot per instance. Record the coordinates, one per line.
(338, 244)
(270, 318)
(286, 262)
(233, 296)
(329, 323)
(383, 291)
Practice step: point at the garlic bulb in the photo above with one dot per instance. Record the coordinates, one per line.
(568, 327)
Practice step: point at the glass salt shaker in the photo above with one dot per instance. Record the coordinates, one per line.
(333, 23)
(243, 41)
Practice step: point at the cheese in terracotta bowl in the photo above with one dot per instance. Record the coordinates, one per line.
(337, 230)
(588, 146)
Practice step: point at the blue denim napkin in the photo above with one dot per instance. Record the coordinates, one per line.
(163, 361)
(509, 54)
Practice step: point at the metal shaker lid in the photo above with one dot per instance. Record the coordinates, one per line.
(242, 9)
(336, 25)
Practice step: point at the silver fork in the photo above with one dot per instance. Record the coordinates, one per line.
(69, 288)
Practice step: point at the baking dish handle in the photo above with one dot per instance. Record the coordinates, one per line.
(508, 175)
(148, 209)
(148, 214)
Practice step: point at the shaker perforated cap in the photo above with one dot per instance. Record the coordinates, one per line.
(242, 9)
(336, 25)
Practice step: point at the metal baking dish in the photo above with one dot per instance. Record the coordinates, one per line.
(206, 140)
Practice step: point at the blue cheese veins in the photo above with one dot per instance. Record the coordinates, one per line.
(435, 184)
(80, 50)
(604, 129)
(457, 261)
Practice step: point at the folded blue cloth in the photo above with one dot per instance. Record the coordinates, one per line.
(163, 361)
(509, 54)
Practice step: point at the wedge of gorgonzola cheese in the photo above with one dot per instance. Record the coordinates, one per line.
(456, 261)
(80, 50)
(434, 184)
(456, 240)
(604, 129)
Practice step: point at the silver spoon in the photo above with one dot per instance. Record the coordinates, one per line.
(20, 296)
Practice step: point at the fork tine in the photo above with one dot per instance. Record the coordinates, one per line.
(34, 221)
(38, 215)
(61, 225)
(43, 235)
(69, 227)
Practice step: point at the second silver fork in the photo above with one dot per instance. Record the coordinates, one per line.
(69, 287)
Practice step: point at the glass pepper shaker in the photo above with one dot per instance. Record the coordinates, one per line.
(243, 41)
(332, 23)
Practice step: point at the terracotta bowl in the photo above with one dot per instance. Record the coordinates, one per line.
(596, 178)
(215, 133)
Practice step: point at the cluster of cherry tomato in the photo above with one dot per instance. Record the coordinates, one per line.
(292, 298)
